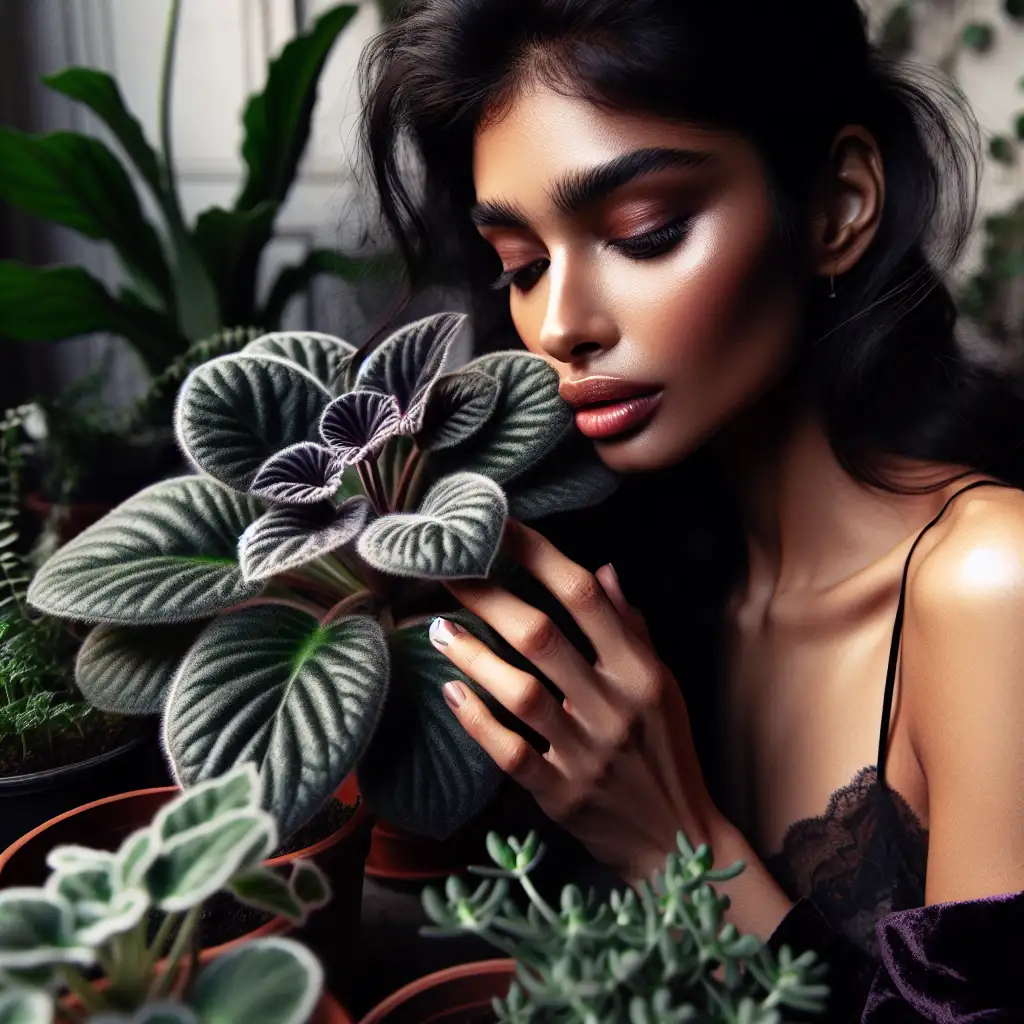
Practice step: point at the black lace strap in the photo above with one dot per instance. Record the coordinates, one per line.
(894, 647)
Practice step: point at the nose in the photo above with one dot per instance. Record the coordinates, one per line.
(575, 323)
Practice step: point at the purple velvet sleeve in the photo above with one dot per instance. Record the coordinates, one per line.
(957, 963)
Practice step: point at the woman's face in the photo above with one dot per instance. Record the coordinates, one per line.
(640, 256)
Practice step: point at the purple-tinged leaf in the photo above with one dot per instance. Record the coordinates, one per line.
(458, 406)
(301, 474)
(289, 537)
(358, 425)
(407, 365)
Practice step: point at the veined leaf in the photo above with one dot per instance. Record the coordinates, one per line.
(76, 181)
(234, 790)
(301, 474)
(322, 355)
(459, 405)
(454, 534)
(356, 426)
(235, 412)
(272, 686)
(128, 670)
(166, 555)
(37, 930)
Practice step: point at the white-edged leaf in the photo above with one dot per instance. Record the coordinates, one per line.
(124, 912)
(23, 1006)
(301, 474)
(356, 426)
(272, 686)
(79, 858)
(266, 890)
(151, 1013)
(84, 885)
(529, 419)
(288, 538)
(134, 857)
(322, 355)
(235, 411)
(407, 364)
(310, 885)
(194, 865)
(423, 771)
(459, 405)
(37, 930)
(235, 789)
(127, 670)
(168, 554)
(273, 981)
(454, 534)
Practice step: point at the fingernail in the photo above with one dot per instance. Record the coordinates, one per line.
(442, 632)
(454, 694)
(614, 574)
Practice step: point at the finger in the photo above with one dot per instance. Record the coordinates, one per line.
(522, 694)
(580, 593)
(509, 751)
(609, 579)
(536, 637)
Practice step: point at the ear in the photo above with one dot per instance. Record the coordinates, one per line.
(851, 200)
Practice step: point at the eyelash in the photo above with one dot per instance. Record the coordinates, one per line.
(658, 242)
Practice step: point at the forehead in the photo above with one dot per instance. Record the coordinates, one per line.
(544, 136)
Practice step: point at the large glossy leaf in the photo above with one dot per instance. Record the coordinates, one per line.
(166, 555)
(270, 685)
(322, 355)
(24, 1006)
(454, 534)
(528, 422)
(423, 771)
(460, 404)
(100, 93)
(273, 981)
(277, 121)
(235, 412)
(54, 303)
(568, 478)
(128, 670)
(76, 181)
(407, 364)
(288, 538)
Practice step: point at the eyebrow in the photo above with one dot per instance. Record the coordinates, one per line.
(585, 188)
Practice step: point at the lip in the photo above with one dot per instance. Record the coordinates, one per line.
(591, 390)
(603, 422)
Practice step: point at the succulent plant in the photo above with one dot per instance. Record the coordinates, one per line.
(96, 910)
(273, 607)
(660, 954)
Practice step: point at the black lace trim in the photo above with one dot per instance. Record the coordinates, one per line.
(865, 857)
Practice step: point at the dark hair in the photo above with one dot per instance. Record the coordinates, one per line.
(883, 361)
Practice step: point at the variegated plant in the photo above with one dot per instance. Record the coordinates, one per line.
(273, 607)
(133, 913)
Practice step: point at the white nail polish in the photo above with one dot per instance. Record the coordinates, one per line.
(442, 632)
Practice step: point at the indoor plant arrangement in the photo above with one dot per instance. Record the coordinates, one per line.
(133, 915)
(274, 607)
(658, 954)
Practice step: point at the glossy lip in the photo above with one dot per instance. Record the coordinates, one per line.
(604, 422)
(592, 390)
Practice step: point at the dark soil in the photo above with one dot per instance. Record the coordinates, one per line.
(100, 733)
(323, 824)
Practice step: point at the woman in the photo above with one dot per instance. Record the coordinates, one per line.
(725, 224)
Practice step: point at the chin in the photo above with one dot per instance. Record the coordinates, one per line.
(644, 452)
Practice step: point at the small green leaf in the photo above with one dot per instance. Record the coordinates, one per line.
(272, 686)
(23, 1006)
(37, 930)
(979, 36)
(454, 534)
(166, 555)
(310, 885)
(268, 891)
(235, 412)
(273, 981)
(323, 356)
(235, 790)
(128, 671)
(1002, 150)
(123, 914)
(137, 852)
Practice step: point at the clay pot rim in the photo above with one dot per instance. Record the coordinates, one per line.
(54, 775)
(381, 1010)
(334, 839)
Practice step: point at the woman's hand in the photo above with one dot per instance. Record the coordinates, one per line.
(621, 773)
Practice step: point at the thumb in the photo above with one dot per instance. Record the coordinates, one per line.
(609, 579)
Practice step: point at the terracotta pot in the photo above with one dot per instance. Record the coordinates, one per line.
(330, 1011)
(458, 995)
(104, 824)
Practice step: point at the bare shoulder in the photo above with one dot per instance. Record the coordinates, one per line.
(962, 668)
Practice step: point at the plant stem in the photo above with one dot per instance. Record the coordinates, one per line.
(413, 490)
(332, 569)
(171, 203)
(370, 487)
(352, 601)
(82, 990)
(415, 457)
(537, 900)
(163, 934)
(378, 483)
(161, 986)
(284, 602)
(300, 582)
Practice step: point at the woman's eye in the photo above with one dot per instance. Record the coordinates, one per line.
(524, 278)
(654, 243)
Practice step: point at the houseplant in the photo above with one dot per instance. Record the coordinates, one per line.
(655, 955)
(134, 915)
(275, 607)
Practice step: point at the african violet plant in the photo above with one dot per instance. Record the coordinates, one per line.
(133, 915)
(274, 607)
(660, 954)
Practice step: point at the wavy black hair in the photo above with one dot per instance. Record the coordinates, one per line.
(882, 360)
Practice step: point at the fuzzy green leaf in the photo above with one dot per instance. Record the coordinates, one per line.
(322, 355)
(271, 686)
(454, 534)
(235, 412)
(23, 1006)
(459, 405)
(166, 555)
(37, 930)
(128, 671)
